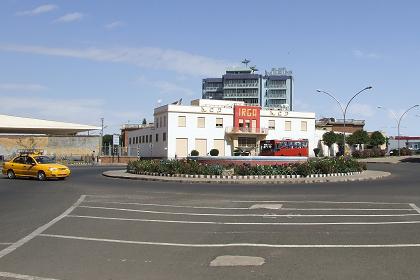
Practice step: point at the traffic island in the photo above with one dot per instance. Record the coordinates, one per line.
(251, 179)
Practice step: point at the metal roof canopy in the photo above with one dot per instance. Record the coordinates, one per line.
(19, 125)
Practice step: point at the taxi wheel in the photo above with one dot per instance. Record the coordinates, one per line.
(11, 174)
(41, 176)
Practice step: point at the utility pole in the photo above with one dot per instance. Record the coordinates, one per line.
(102, 135)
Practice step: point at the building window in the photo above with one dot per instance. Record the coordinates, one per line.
(303, 125)
(160, 121)
(201, 122)
(156, 122)
(164, 136)
(157, 137)
(143, 139)
(164, 121)
(147, 138)
(247, 123)
(129, 141)
(219, 122)
(271, 124)
(241, 123)
(288, 125)
(150, 137)
(137, 140)
(181, 121)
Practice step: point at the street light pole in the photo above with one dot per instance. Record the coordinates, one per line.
(344, 110)
(399, 122)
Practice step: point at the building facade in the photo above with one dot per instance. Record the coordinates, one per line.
(272, 90)
(410, 142)
(217, 124)
(337, 125)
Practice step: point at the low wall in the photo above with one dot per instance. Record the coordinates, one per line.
(251, 160)
(108, 160)
(61, 146)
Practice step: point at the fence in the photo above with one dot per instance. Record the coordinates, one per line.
(119, 151)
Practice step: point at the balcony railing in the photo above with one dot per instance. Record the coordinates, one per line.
(276, 95)
(212, 88)
(242, 85)
(246, 130)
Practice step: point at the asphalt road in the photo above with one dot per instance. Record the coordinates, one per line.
(92, 227)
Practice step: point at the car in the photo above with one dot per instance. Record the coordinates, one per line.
(34, 165)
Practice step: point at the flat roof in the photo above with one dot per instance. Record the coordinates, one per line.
(21, 125)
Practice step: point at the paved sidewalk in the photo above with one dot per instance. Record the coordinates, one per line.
(365, 175)
(391, 160)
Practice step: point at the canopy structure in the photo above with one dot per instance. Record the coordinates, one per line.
(19, 125)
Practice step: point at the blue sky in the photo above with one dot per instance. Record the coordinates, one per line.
(79, 61)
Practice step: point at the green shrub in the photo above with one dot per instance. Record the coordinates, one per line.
(214, 152)
(194, 153)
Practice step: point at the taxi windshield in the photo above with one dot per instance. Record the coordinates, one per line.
(44, 159)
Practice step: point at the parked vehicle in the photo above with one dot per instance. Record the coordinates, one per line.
(287, 147)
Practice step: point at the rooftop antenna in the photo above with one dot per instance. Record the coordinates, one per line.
(253, 68)
(246, 61)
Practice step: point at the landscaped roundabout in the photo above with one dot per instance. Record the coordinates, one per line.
(177, 168)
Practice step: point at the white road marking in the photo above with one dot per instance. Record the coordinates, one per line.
(169, 205)
(248, 208)
(237, 261)
(39, 230)
(239, 223)
(266, 206)
(247, 215)
(23, 277)
(319, 201)
(417, 209)
(261, 245)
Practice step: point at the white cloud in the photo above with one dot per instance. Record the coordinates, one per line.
(360, 110)
(10, 87)
(38, 10)
(182, 62)
(361, 54)
(70, 17)
(86, 111)
(114, 24)
(166, 87)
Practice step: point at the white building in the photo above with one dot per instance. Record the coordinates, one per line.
(223, 125)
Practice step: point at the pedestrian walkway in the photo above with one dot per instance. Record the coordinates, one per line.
(391, 159)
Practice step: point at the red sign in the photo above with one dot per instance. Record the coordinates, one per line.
(246, 116)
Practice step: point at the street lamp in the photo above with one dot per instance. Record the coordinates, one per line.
(399, 122)
(344, 110)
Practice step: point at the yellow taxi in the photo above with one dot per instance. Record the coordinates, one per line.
(34, 165)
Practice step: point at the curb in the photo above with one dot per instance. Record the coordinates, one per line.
(264, 179)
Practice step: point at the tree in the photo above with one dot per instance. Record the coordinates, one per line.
(329, 138)
(144, 122)
(377, 139)
(107, 140)
(360, 137)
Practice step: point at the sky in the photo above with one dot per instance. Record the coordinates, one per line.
(80, 61)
